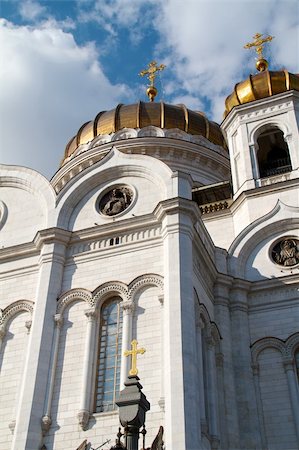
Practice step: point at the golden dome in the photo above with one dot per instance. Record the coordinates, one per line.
(140, 115)
(263, 84)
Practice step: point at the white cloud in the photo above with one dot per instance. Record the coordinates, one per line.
(134, 15)
(31, 10)
(52, 86)
(203, 40)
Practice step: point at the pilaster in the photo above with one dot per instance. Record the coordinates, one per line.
(180, 371)
(223, 320)
(246, 401)
(28, 431)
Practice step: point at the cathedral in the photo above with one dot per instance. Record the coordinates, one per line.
(168, 234)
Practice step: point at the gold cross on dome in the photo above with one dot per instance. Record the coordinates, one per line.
(151, 72)
(134, 352)
(258, 43)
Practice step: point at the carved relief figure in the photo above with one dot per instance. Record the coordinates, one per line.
(116, 201)
(286, 252)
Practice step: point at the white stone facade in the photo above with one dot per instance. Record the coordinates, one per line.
(217, 316)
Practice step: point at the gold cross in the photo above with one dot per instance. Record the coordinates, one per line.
(151, 72)
(258, 42)
(134, 352)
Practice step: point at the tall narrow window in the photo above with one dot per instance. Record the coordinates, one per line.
(109, 356)
(297, 362)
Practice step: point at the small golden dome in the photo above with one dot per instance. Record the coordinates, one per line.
(142, 114)
(263, 84)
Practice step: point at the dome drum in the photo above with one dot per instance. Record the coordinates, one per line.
(142, 115)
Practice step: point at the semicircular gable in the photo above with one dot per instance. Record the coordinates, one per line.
(248, 255)
(114, 167)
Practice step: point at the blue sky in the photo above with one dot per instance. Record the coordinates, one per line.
(61, 62)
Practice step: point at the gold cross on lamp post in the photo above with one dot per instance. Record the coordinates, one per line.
(134, 352)
(258, 43)
(151, 73)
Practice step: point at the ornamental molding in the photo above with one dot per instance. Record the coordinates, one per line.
(3, 214)
(46, 423)
(110, 241)
(83, 418)
(13, 309)
(114, 287)
(71, 296)
(143, 281)
(287, 348)
(266, 111)
(95, 299)
(292, 345)
(171, 148)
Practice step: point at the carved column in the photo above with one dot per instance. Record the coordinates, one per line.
(221, 400)
(202, 407)
(162, 398)
(255, 370)
(87, 375)
(246, 400)
(46, 419)
(223, 320)
(293, 390)
(2, 335)
(128, 310)
(212, 393)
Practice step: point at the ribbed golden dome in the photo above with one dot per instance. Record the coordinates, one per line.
(140, 115)
(263, 84)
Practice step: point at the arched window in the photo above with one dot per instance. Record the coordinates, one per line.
(109, 356)
(273, 153)
(297, 362)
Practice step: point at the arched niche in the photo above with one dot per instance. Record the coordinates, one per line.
(273, 155)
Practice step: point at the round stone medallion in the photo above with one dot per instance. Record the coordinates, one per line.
(115, 201)
(286, 252)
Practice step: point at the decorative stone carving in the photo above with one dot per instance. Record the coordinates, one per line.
(12, 426)
(13, 309)
(286, 252)
(71, 296)
(83, 418)
(46, 423)
(91, 314)
(113, 287)
(116, 201)
(127, 307)
(28, 324)
(144, 280)
(125, 133)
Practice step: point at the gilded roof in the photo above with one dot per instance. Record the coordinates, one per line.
(143, 114)
(263, 84)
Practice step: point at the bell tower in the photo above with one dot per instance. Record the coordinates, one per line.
(261, 126)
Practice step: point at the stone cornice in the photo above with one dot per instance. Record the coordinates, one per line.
(135, 223)
(172, 151)
(18, 252)
(262, 190)
(177, 205)
(262, 104)
(274, 283)
(51, 236)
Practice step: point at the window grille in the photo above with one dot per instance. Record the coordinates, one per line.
(109, 356)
